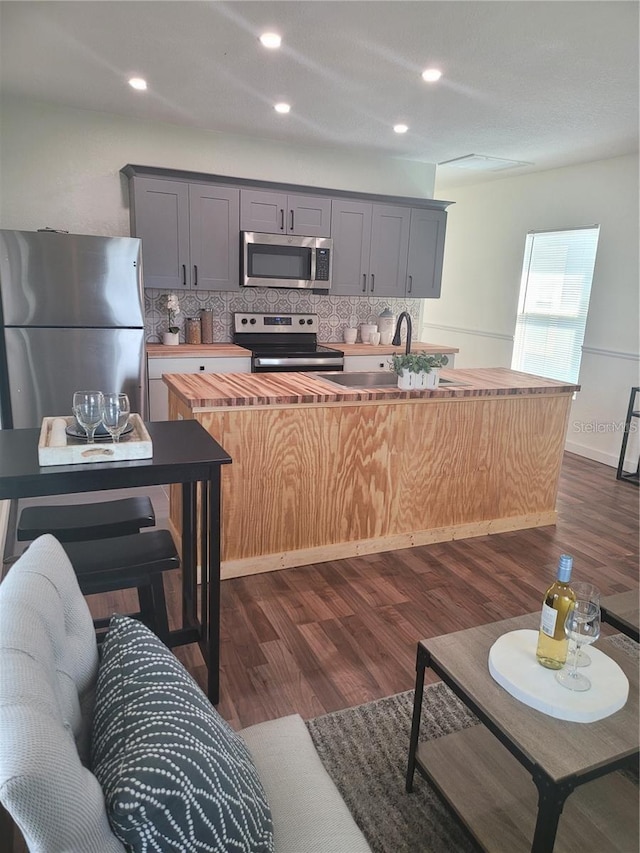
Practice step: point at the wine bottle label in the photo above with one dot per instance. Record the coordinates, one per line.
(548, 620)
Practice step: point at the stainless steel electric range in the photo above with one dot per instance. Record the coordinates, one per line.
(284, 342)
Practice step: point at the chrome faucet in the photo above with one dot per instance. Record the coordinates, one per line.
(396, 338)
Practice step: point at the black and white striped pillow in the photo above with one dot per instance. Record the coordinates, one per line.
(175, 775)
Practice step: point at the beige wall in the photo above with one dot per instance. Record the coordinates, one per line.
(483, 262)
(59, 168)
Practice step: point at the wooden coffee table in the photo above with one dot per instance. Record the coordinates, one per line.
(622, 610)
(488, 774)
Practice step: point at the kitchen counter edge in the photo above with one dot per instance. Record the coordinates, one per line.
(230, 350)
(214, 390)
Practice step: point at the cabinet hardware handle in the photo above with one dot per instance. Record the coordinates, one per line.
(410, 283)
(184, 275)
(282, 218)
(195, 275)
(292, 220)
(373, 282)
(364, 282)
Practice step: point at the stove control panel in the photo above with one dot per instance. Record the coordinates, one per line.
(275, 323)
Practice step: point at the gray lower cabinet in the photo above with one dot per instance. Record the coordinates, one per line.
(189, 232)
(279, 213)
(370, 245)
(426, 251)
(387, 250)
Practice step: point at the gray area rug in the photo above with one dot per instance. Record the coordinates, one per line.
(365, 751)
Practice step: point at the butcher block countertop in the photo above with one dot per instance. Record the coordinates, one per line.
(197, 350)
(215, 390)
(368, 349)
(229, 350)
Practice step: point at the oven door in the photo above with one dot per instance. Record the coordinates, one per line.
(263, 362)
(278, 260)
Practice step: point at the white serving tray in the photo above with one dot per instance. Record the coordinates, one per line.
(513, 664)
(55, 447)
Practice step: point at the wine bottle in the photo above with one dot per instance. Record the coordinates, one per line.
(558, 601)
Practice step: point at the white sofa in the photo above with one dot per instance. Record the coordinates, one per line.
(48, 669)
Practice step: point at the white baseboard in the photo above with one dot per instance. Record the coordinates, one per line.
(589, 453)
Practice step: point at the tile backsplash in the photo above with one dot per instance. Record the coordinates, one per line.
(334, 312)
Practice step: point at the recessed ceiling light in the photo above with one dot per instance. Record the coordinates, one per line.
(282, 108)
(271, 40)
(138, 83)
(431, 75)
(400, 128)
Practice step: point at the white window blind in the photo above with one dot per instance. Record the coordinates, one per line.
(554, 301)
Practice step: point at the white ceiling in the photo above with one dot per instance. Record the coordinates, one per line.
(551, 83)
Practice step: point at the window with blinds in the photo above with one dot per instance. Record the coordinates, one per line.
(554, 300)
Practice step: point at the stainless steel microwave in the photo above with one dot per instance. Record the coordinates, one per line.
(286, 260)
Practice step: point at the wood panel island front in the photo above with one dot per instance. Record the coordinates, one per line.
(322, 472)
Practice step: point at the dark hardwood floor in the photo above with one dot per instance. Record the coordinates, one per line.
(334, 635)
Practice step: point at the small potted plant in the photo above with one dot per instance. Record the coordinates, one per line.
(420, 370)
(172, 336)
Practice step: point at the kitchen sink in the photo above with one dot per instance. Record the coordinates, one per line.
(374, 379)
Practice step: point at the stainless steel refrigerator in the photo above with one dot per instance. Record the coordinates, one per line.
(71, 319)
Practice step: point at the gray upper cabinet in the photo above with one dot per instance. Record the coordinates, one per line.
(370, 245)
(214, 216)
(426, 251)
(190, 227)
(189, 232)
(389, 247)
(160, 217)
(351, 233)
(279, 213)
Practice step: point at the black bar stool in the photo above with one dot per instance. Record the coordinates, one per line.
(108, 552)
(124, 562)
(76, 522)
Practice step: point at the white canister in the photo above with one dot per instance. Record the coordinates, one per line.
(365, 331)
(386, 325)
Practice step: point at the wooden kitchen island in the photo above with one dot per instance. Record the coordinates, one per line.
(322, 472)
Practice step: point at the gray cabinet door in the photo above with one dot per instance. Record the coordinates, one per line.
(308, 216)
(351, 233)
(160, 217)
(278, 213)
(426, 251)
(263, 211)
(215, 245)
(389, 247)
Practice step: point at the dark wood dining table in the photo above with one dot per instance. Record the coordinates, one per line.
(183, 453)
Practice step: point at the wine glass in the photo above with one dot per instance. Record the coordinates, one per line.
(582, 625)
(87, 407)
(115, 414)
(583, 592)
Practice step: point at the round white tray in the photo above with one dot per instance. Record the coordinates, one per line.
(513, 664)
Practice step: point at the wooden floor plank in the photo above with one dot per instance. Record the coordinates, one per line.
(319, 638)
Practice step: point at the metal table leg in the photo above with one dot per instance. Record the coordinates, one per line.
(421, 665)
(551, 799)
(211, 559)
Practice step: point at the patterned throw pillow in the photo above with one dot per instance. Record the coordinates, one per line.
(175, 775)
